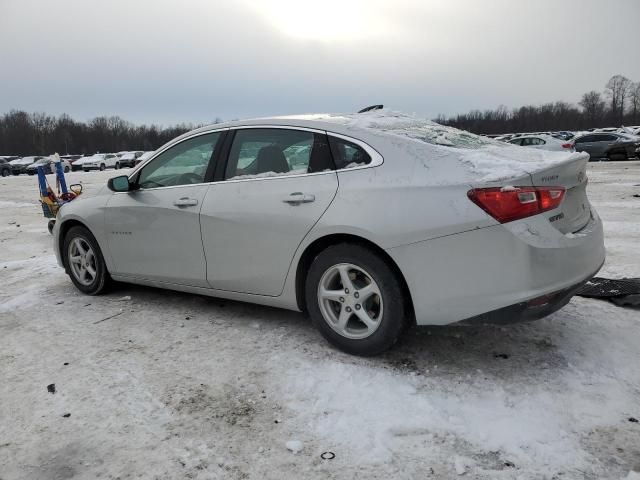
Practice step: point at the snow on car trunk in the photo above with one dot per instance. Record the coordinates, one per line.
(482, 159)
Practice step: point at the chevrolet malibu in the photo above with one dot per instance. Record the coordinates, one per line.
(368, 222)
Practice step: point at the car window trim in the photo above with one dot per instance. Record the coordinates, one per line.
(218, 177)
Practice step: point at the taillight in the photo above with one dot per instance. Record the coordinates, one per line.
(567, 145)
(507, 204)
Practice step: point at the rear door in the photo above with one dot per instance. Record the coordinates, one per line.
(276, 185)
(602, 143)
(585, 144)
(154, 231)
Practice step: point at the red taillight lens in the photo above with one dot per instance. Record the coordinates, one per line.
(507, 204)
(567, 145)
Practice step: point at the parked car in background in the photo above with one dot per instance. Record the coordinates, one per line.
(5, 168)
(543, 142)
(128, 159)
(70, 158)
(608, 146)
(20, 165)
(77, 163)
(47, 164)
(311, 214)
(143, 157)
(563, 135)
(100, 161)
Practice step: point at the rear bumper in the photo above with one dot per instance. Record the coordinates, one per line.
(500, 268)
(534, 309)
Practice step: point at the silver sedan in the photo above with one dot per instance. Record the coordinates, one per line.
(367, 222)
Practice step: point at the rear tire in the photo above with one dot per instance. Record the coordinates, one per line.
(84, 262)
(363, 313)
(5, 173)
(616, 156)
(66, 169)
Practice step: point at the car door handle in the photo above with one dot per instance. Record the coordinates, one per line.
(297, 198)
(185, 202)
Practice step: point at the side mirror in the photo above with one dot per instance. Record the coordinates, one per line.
(119, 184)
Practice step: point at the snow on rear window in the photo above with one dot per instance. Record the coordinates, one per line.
(404, 125)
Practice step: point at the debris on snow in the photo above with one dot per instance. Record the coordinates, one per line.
(109, 317)
(51, 388)
(294, 446)
(461, 464)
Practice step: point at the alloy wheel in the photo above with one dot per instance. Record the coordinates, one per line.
(82, 261)
(350, 301)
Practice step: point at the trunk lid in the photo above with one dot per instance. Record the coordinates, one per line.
(574, 211)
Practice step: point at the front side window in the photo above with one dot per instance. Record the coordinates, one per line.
(183, 164)
(347, 154)
(516, 141)
(272, 152)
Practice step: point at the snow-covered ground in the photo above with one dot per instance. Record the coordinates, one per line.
(183, 386)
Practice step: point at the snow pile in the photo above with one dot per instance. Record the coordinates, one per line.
(486, 159)
(370, 411)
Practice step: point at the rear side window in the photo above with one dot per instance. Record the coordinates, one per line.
(516, 141)
(347, 154)
(274, 152)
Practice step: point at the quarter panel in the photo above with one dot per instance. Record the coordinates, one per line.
(396, 208)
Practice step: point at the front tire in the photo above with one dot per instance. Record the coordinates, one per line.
(102, 167)
(117, 167)
(355, 299)
(84, 262)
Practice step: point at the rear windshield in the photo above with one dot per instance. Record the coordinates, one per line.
(400, 124)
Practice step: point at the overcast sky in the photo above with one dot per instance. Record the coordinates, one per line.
(168, 61)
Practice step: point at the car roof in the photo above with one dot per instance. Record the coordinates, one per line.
(371, 127)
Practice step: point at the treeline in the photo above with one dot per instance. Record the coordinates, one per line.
(617, 105)
(23, 133)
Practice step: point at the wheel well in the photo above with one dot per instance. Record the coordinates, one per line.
(322, 243)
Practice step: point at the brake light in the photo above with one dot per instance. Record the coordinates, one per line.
(567, 145)
(507, 204)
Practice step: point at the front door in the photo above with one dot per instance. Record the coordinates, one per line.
(277, 185)
(154, 231)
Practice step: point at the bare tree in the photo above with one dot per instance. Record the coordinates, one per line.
(617, 89)
(634, 101)
(593, 107)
